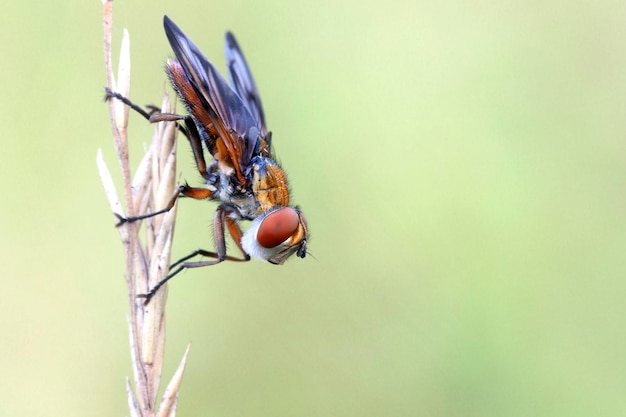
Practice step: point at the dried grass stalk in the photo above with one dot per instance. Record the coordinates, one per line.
(147, 262)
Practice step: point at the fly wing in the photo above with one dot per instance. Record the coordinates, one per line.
(236, 127)
(242, 80)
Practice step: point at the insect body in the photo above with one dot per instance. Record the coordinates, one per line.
(242, 174)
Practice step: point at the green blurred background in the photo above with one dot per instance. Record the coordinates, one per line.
(462, 166)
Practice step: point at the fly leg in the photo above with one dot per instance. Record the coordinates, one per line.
(186, 190)
(153, 114)
(220, 221)
(191, 132)
(108, 95)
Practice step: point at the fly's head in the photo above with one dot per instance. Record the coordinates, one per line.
(276, 235)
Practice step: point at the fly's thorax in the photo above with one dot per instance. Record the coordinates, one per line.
(243, 201)
(224, 188)
(269, 184)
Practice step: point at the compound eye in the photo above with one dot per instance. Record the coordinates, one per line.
(277, 227)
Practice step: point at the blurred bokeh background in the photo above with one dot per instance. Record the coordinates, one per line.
(462, 166)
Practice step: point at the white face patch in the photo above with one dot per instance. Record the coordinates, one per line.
(251, 245)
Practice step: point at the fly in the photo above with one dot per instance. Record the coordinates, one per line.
(242, 174)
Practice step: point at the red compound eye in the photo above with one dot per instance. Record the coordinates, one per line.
(277, 227)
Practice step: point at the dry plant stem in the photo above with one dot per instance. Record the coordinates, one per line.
(146, 264)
